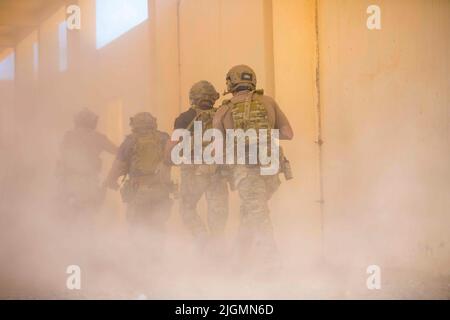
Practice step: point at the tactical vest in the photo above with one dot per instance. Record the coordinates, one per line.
(250, 114)
(147, 154)
(205, 116)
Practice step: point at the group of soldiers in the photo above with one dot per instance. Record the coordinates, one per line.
(142, 168)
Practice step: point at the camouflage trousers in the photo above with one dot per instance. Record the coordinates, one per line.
(256, 232)
(149, 207)
(196, 182)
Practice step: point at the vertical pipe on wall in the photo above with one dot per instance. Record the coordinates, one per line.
(180, 96)
(153, 100)
(319, 140)
(269, 47)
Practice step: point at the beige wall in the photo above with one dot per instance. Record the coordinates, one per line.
(210, 46)
(296, 204)
(385, 97)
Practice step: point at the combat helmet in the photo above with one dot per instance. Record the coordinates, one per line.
(241, 76)
(203, 91)
(86, 119)
(143, 121)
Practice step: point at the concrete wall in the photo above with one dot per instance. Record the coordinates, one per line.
(385, 96)
(298, 210)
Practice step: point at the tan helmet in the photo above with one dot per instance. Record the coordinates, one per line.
(203, 90)
(241, 76)
(143, 121)
(86, 119)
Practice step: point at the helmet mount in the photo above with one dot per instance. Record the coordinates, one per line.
(239, 78)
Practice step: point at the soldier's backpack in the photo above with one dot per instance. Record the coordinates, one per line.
(206, 118)
(147, 153)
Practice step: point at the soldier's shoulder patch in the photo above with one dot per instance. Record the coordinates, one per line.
(247, 76)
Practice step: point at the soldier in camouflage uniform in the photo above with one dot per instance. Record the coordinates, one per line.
(147, 187)
(80, 193)
(251, 109)
(199, 180)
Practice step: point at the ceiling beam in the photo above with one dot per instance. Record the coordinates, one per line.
(18, 18)
(7, 42)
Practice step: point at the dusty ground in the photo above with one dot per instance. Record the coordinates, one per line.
(115, 272)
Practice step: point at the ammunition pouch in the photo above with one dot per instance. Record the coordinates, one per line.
(285, 166)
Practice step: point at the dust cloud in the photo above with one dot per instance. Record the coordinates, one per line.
(40, 240)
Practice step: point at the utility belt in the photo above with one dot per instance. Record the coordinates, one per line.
(201, 169)
(238, 172)
(131, 184)
(284, 165)
(149, 179)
